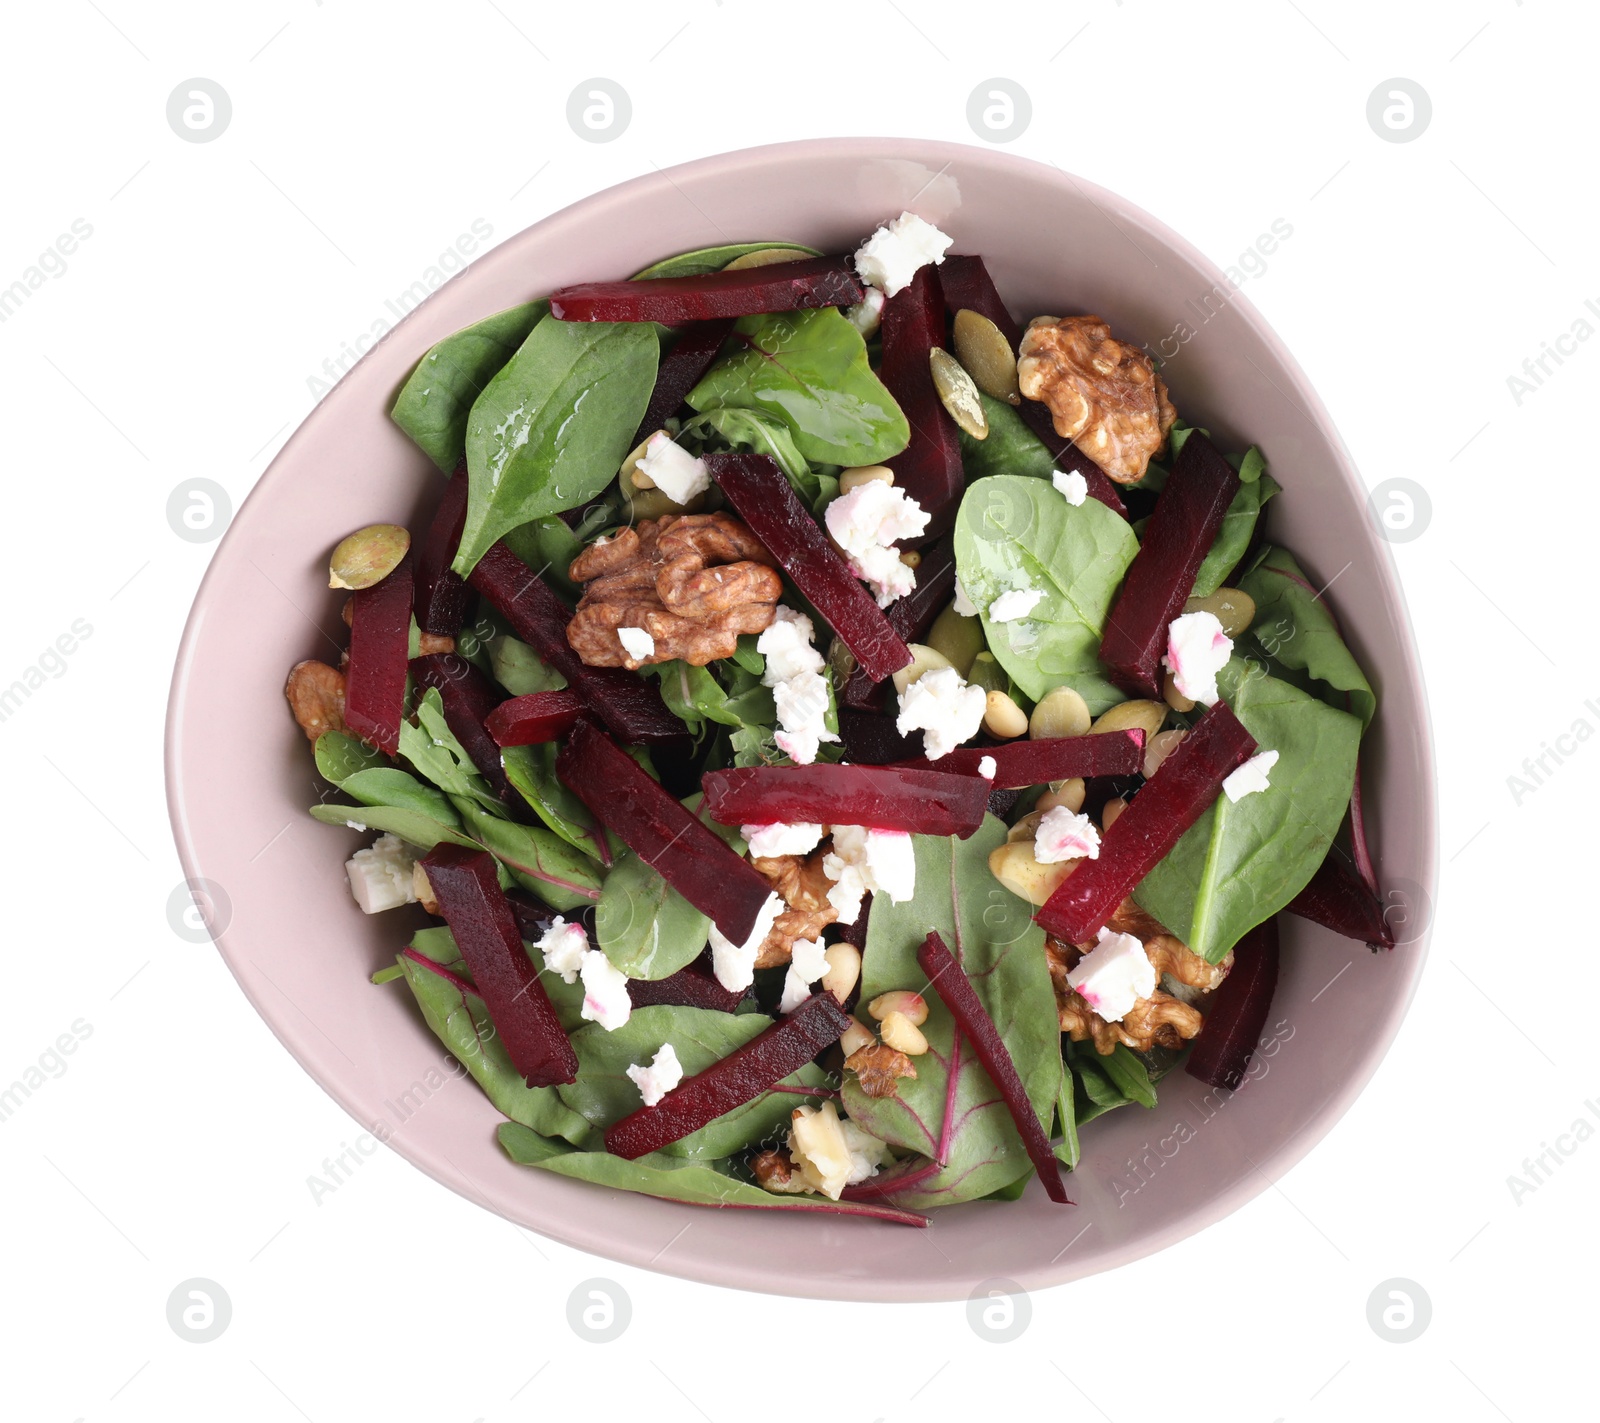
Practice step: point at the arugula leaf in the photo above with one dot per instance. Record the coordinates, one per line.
(1014, 531)
(713, 259)
(604, 1093)
(551, 429)
(532, 771)
(1296, 632)
(809, 369)
(1243, 861)
(992, 931)
(1256, 486)
(434, 403)
(1010, 447)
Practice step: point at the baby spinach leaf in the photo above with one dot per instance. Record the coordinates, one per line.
(389, 786)
(1244, 860)
(604, 1093)
(1095, 1093)
(550, 430)
(540, 860)
(532, 770)
(519, 669)
(1010, 448)
(1295, 630)
(809, 369)
(434, 403)
(1014, 532)
(713, 259)
(993, 934)
(1256, 486)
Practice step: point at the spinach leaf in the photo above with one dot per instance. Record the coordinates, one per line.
(389, 786)
(532, 770)
(1014, 531)
(1244, 861)
(551, 429)
(713, 259)
(992, 933)
(809, 369)
(1295, 630)
(1068, 1150)
(1127, 1070)
(1010, 448)
(519, 669)
(734, 428)
(434, 403)
(439, 945)
(1096, 1093)
(604, 1093)
(1256, 486)
(413, 826)
(540, 860)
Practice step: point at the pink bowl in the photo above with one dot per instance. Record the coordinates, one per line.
(239, 776)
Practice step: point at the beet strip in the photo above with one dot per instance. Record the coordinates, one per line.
(485, 930)
(691, 858)
(629, 704)
(977, 1027)
(929, 468)
(742, 1076)
(680, 371)
(782, 286)
(1019, 764)
(920, 802)
(440, 601)
(762, 496)
(375, 681)
(1238, 1013)
(1187, 517)
(1186, 783)
(910, 617)
(872, 739)
(469, 699)
(691, 987)
(539, 716)
(1338, 899)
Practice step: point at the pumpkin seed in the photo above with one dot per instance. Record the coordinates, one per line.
(987, 673)
(367, 556)
(958, 638)
(641, 504)
(864, 474)
(957, 393)
(1231, 607)
(983, 349)
(1061, 712)
(630, 475)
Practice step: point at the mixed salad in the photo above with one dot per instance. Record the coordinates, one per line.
(845, 740)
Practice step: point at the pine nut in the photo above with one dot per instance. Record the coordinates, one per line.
(1110, 811)
(1002, 717)
(923, 659)
(911, 558)
(844, 969)
(1014, 865)
(857, 475)
(1026, 828)
(1061, 712)
(899, 1032)
(1173, 697)
(1158, 748)
(912, 1006)
(1069, 794)
(856, 1037)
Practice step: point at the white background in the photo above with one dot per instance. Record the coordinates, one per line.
(364, 140)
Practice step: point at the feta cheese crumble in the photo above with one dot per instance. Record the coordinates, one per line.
(866, 522)
(735, 964)
(381, 874)
(1197, 649)
(867, 313)
(987, 767)
(898, 250)
(605, 992)
(943, 708)
(637, 643)
(1114, 975)
(806, 965)
(1065, 835)
(799, 689)
(663, 1074)
(766, 841)
(1072, 485)
(563, 946)
(677, 473)
(1250, 777)
(865, 861)
(963, 605)
(1011, 606)
(867, 1153)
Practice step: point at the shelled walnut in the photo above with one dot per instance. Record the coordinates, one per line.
(803, 887)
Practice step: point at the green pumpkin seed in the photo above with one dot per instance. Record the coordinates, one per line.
(957, 393)
(1232, 607)
(983, 349)
(367, 556)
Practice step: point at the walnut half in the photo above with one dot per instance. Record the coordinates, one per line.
(803, 887)
(315, 692)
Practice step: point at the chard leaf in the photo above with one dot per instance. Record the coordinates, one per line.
(532, 770)
(551, 429)
(809, 369)
(992, 933)
(1243, 861)
(1015, 531)
(540, 860)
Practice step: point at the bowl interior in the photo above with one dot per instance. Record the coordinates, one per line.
(283, 917)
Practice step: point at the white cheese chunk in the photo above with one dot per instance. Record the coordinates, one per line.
(799, 687)
(1011, 606)
(867, 314)
(866, 522)
(1072, 485)
(1065, 835)
(381, 875)
(677, 473)
(867, 1153)
(807, 963)
(987, 767)
(1114, 975)
(563, 946)
(964, 606)
(663, 1074)
(1197, 649)
(766, 841)
(865, 861)
(735, 964)
(605, 992)
(898, 250)
(637, 643)
(1251, 777)
(943, 708)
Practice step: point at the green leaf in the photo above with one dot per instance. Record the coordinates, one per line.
(519, 669)
(389, 786)
(1095, 1094)
(1014, 531)
(733, 428)
(433, 751)
(340, 755)
(1238, 527)
(532, 770)
(548, 547)
(696, 696)
(1243, 861)
(540, 860)
(604, 1093)
(713, 259)
(434, 403)
(992, 933)
(1127, 1070)
(1010, 447)
(1295, 630)
(551, 429)
(1068, 1150)
(809, 369)
(566, 998)
(414, 827)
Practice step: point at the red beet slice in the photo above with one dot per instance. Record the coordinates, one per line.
(1182, 529)
(782, 286)
(921, 802)
(535, 918)
(375, 680)
(1338, 899)
(977, 1027)
(441, 596)
(691, 987)
(910, 616)
(872, 739)
(1071, 458)
(929, 468)
(747, 1072)
(680, 371)
(630, 705)
(1031, 763)
(469, 700)
(539, 716)
(486, 933)
(1167, 805)
(762, 496)
(1238, 1013)
(856, 934)
(691, 858)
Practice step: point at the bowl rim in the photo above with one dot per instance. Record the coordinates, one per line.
(1384, 1026)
